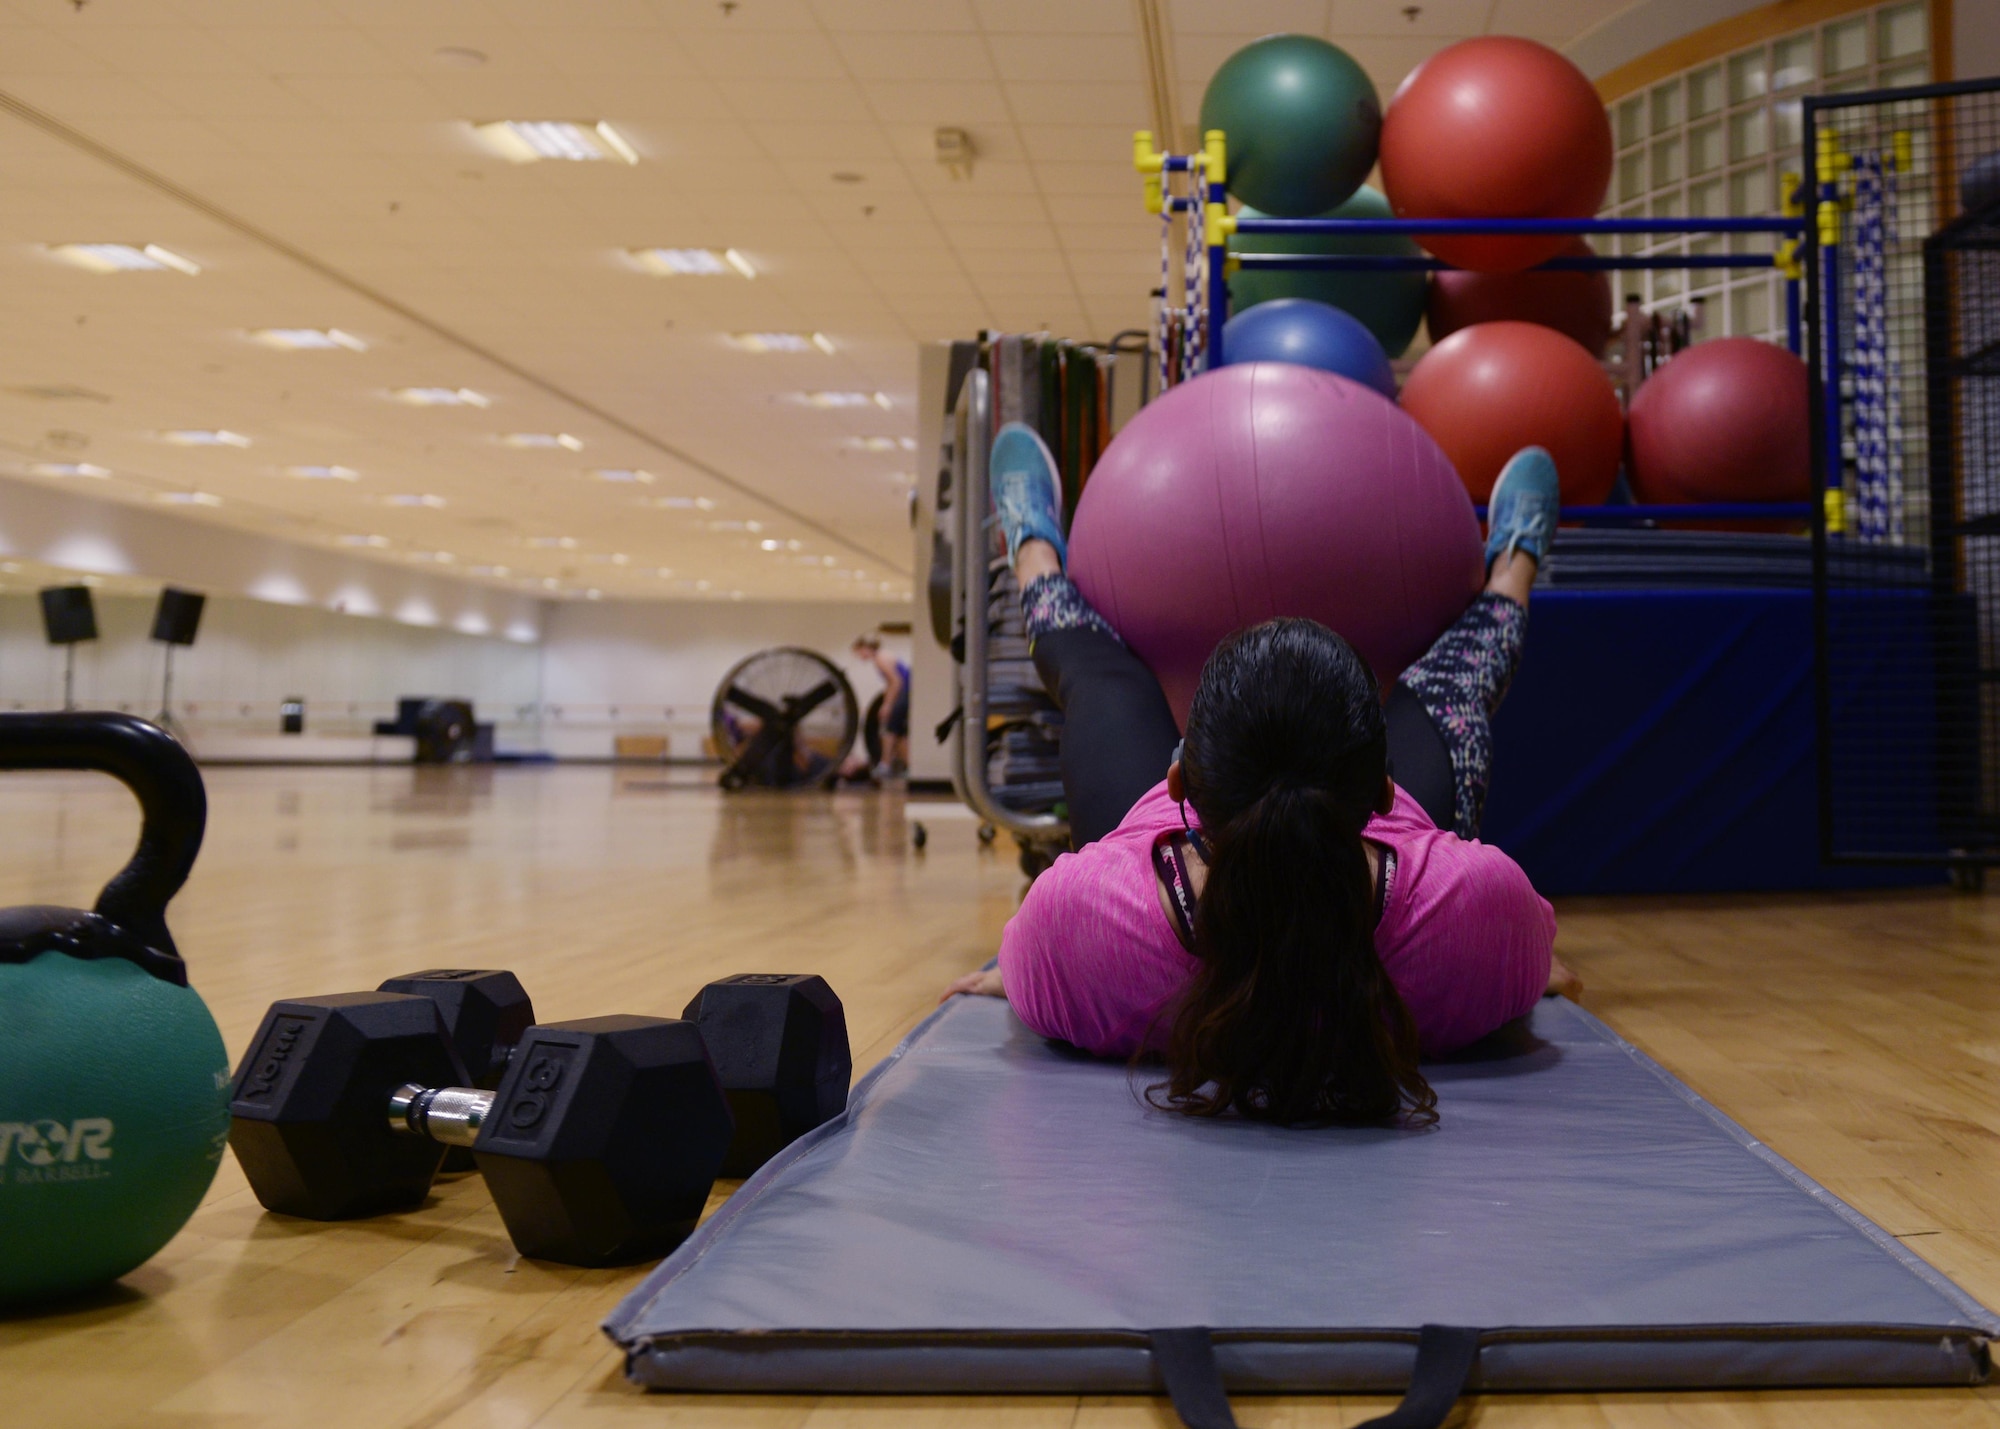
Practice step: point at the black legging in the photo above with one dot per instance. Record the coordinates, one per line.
(1119, 734)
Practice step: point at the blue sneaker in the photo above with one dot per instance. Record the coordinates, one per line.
(1522, 511)
(1027, 493)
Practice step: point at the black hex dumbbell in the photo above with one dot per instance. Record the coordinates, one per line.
(600, 1144)
(485, 1012)
(779, 1044)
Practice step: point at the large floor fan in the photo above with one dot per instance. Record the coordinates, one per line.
(783, 719)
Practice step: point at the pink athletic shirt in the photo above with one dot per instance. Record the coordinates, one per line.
(1092, 957)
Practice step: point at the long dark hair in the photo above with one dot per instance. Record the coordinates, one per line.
(1290, 1017)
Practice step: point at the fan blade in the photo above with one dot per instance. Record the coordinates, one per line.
(750, 704)
(801, 706)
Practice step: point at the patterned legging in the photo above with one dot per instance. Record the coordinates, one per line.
(1119, 733)
(1460, 682)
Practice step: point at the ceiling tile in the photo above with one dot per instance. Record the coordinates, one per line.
(938, 58)
(1055, 17)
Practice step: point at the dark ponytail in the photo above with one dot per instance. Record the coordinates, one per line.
(1290, 1017)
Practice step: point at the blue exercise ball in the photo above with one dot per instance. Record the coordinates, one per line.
(1309, 334)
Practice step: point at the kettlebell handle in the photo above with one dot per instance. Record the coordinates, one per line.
(173, 806)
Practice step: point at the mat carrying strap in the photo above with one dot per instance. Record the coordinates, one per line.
(1445, 1356)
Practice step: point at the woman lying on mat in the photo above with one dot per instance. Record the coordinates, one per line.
(1296, 941)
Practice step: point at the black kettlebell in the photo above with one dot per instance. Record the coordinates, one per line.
(114, 1086)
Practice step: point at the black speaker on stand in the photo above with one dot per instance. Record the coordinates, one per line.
(69, 618)
(174, 623)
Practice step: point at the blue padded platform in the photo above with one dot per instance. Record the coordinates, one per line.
(995, 1213)
(1664, 741)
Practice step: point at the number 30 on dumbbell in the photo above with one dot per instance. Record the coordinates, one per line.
(600, 1142)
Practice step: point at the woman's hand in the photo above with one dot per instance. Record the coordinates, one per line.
(984, 983)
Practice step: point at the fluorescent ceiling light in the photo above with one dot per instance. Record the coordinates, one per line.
(488, 571)
(690, 262)
(188, 498)
(376, 542)
(617, 558)
(664, 572)
(204, 437)
(424, 499)
(323, 473)
(770, 545)
(66, 468)
(124, 258)
(593, 594)
(781, 341)
(553, 543)
(542, 439)
(881, 444)
(623, 474)
(551, 583)
(684, 503)
(526, 141)
(679, 262)
(752, 526)
(441, 397)
(441, 558)
(833, 400)
(308, 339)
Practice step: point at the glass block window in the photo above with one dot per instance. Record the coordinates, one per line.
(1716, 141)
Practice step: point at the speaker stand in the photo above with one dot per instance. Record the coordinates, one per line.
(69, 676)
(166, 720)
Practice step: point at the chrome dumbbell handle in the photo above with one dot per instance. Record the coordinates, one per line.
(452, 1115)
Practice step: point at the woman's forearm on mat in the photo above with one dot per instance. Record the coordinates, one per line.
(984, 983)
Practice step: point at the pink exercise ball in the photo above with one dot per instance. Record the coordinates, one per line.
(1725, 420)
(1268, 489)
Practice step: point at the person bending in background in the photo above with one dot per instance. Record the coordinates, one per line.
(1283, 920)
(895, 705)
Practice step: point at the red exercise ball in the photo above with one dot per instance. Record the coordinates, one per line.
(1725, 420)
(1496, 127)
(1575, 304)
(1487, 391)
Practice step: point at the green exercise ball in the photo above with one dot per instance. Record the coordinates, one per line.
(114, 1109)
(1389, 304)
(1301, 120)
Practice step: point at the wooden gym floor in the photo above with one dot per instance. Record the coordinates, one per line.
(1859, 1036)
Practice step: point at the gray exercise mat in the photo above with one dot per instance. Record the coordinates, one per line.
(995, 1213)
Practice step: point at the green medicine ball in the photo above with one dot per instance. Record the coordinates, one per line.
(1301, 120)
(114, 1109)
(1390, 304)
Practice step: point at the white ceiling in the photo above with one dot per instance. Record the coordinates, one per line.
(316, 158)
